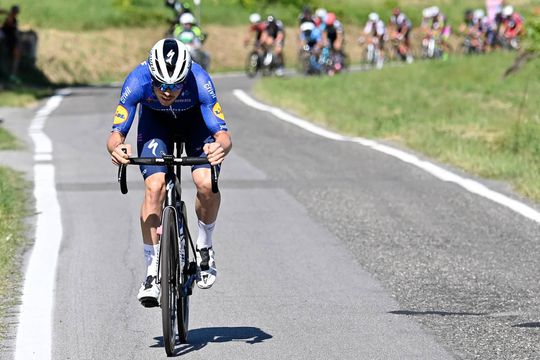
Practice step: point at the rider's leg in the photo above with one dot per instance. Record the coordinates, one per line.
(154, 195)
(206, 206)
(152, 141)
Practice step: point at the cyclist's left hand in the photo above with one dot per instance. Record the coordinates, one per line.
(215, 153)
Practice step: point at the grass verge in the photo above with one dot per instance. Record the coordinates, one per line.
(13, 210)
(8, 141)
(101, 14)
(21, 96)
(459, 112)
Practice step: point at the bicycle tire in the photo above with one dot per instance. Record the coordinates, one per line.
(252, 64)
(169, 279)
(183, 298)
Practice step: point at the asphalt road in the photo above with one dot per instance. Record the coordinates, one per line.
(325, 250)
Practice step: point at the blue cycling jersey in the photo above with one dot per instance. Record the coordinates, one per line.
(198, 90)
(311, 37)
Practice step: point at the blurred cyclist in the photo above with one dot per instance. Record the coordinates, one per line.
(310, 36)
(273, 36)
(174, 96)
(375, 31)
(435, 26)
(320, 15)
(511, 27)
(256, 27)
(400, 29)
(188, 23)
(189, 33)
(333, 32)
(305, 16)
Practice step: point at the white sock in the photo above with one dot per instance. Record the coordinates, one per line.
(151, 257)
(205, 235)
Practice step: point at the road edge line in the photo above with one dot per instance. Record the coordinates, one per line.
(470, 185)
(34, 330)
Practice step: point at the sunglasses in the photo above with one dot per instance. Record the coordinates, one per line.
(165, 87)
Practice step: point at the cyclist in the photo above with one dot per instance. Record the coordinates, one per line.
(310, 46)
(191, 34)
(273, 35)
(511, 26)
(400, 27)
(435, 26)
(310, 36)
(375, 31)
(320, 15)
(257, 27)
(333, 32)
(175, 96)
(305, 16)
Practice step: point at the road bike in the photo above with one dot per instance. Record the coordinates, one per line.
(177, 256)
(431, 47)
(373, 56)
(263, 61)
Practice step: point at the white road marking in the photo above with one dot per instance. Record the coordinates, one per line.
(34, 332)
(468, 184)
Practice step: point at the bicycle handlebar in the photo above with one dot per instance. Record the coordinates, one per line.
(167, 160)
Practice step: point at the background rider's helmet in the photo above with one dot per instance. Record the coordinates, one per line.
(169, 62)
(430, 12)
(307, 26)
(373, 17)
(321, 13)
(330, 19)
(508, 10)
(478, 14)
(270, 19)
(254, 18)
(187, 18)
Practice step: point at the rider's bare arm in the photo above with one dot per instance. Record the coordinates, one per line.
(116, 147)
(217, 150)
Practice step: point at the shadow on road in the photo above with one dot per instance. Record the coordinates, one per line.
(435, 312)
(199, 338)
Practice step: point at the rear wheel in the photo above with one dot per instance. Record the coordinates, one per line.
(184, 289)
(169, 279)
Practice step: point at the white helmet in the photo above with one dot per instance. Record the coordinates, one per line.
(187, 18)
(307, 26)
(254, 18)
(321, 13)
(508, 10)
(430, 12)
(373, 17)
(169, 61)
(478, 14)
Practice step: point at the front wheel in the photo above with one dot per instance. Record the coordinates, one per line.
(252, 64)
(169, 278)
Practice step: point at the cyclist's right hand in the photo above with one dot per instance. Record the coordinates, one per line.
(121, 154)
